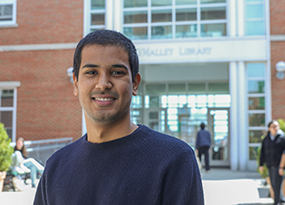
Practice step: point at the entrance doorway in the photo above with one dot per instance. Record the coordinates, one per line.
(218, 126)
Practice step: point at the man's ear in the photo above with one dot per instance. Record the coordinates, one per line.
(136, 83)
(75, 91)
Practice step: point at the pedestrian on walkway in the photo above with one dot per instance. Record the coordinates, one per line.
(203, 143)
(273, 146)
(116, 161)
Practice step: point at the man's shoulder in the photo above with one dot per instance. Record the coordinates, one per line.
(162, 140)
(66, 151)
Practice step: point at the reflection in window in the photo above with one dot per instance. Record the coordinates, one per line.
(212, 13)
(135, 17)
(7, 98)
(134, 3)
(136, 33)
(186, 14)
(97, 19)
(161, 15)
(255, 70)
(256, 136)
(186, 31)
(213, 30)
(256, 103)
(97, 4)
(212, 1)
(256, 119)
(256, 86)
(161, 32)
(185, 2)
(161, 3)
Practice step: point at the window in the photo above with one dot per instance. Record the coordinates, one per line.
(167, 19)
(255, 21)
(8, 101)
(7, 12)
(97, 14)
(256, 106)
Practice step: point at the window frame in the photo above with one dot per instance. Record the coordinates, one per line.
(11, 85)
(173, 23)
(249, 20)
(14, 12)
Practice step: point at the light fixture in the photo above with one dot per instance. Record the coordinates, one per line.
(70, 73)
(280, 67)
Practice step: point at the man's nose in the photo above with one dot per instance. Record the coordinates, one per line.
(103, 82)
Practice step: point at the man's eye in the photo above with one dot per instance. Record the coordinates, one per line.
(91, 72)
(118, 73)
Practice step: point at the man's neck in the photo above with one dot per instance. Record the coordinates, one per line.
(99, 132)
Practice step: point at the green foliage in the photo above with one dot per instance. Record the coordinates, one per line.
(265, 172)
(6, 150)
(282, 124)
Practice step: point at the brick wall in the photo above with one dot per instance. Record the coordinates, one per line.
(46, 106)
(277, 86)
(277, 26)
(277, 17)
(41, 21)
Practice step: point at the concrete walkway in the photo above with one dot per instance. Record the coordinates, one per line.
(226, 187)
(221, 187)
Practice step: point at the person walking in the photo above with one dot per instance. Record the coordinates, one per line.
(203, 143)
(116, 161)
(272, 148)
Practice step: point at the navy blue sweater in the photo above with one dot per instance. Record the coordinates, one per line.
(145, 167)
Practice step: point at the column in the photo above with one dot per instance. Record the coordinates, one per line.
(242, 119)
(109, 15)
(241, 18)
(234, 131)
(232, 18)
(118, 15)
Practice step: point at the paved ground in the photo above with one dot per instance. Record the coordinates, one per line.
(221, 187)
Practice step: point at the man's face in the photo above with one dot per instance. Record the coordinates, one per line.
(274, 127)
(104, 84)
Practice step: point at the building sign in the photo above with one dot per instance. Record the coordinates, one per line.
(202, 51)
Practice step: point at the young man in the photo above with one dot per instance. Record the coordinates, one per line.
(116, 161)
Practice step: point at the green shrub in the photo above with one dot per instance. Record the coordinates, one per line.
(6, 150)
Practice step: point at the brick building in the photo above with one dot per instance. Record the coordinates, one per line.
(37, 46)
(210, 61)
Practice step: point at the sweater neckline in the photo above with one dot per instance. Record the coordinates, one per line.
(116, 142)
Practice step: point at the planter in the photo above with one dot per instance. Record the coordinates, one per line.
(2, 178)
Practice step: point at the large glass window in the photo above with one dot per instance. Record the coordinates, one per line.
(7, 12)
(156, 19)
(97, 14)
(179, 108)
(255, 17)
(256, 105)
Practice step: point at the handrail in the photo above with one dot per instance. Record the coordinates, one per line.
(42, 149)
(47, 141)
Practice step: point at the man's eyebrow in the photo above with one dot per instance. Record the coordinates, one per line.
(119, 66)
(90, 66)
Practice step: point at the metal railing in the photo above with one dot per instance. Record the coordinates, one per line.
(41, 150)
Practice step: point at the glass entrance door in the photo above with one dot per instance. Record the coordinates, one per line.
(218, 126)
